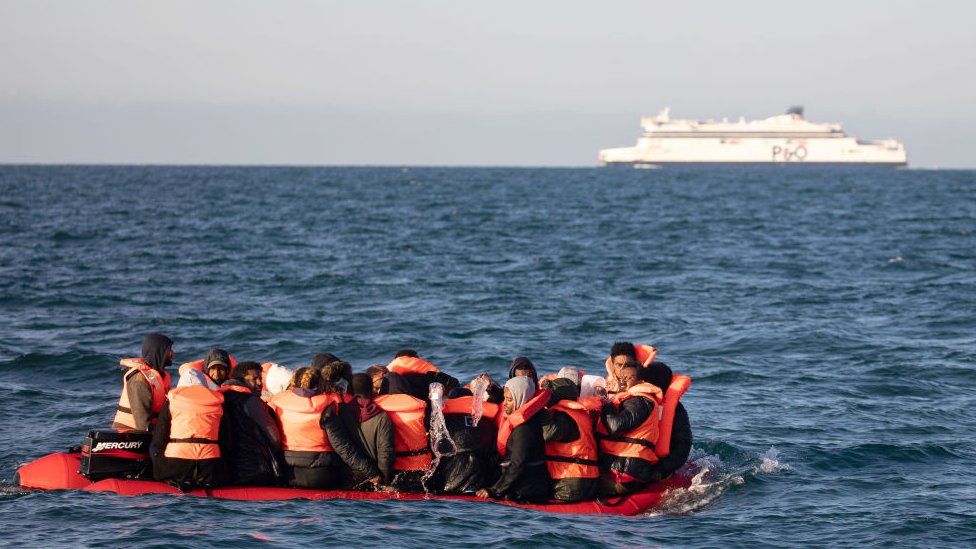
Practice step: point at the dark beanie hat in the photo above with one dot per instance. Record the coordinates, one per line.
(321, 360)
(362, 385)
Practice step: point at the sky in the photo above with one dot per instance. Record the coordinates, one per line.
(465, 82)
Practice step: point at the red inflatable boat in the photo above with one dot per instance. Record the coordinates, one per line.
(59, 471)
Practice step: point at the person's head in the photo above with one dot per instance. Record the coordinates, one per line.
(307, 378)
(658, 374)
(518, 391)
(561, 389)
(571, 373)
(278, 379)
(362, 386)
(407, 352)
(337, 376)
(629, 375)
(620, 353)
(523, 367)
(157, 351)
(377, 373)
(249, 373)
(217, 365)
(323, 359)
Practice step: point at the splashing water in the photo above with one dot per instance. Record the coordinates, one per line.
(478, 389)
(441, 443)
(713, 477)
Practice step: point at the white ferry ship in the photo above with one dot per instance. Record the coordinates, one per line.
(784, 139)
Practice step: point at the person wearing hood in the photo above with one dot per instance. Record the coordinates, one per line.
(255, 457)
(276, 381)
(524, 476)
(571, 448)
(186, 448)
(145, 385)
(474, 432)
(315, 447)
(372, 430)
(412, 458)
(522, 366)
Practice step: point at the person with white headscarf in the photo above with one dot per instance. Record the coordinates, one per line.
(524, 476)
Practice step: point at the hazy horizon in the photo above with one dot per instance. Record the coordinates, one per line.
(455, 84)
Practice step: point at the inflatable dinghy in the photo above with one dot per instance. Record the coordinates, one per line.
(59, 471)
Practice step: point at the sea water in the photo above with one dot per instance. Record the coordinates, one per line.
(827, 318)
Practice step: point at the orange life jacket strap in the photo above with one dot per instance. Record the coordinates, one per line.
(194, 440)
(579, 461)
(621, 438)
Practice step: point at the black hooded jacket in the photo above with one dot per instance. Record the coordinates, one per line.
(254, 458)
(155, 350)
(523, 363)
(471, 467)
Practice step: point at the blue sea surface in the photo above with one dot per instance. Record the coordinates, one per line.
(827, 317)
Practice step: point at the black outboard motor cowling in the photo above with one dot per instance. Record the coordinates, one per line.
(111, 454)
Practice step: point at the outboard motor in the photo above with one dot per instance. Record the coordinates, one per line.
(114, 454)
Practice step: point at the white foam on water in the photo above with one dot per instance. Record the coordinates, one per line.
(771, 463)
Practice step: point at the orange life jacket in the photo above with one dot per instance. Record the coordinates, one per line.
(639, 442)
(679, 385)
(409, 432)
(194, 429)
(235, 388)
(507, 423)
(404, 365)
(462, 406)
(158, 383)
(299, 417)
(576, 459)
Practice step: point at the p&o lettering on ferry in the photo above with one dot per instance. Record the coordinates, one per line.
(787, 154)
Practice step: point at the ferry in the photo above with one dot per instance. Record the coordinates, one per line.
(786, 139)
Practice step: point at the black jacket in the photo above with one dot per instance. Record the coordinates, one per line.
(633, 412)
(255, 457)
(187, 474)
(375, 439)
(524, 475)
(352, 459)
(681, 441)
(471, 467)
(420, 383)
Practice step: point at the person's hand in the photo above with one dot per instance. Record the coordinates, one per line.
(375, 481)
(483, 493)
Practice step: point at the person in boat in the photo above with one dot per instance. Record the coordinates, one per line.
(412, 458)
(523, 367)
(475, 458)
(377, 373)
(187, 441)
(314, 455)
(419, 373)
(371, 429)
(254, 458)
(659, 374)
(145, 385)
(217, 366)
(521, 448)
(276, 381)
(571, 448)
(627, 432)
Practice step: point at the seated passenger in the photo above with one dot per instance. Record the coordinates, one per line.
(409, 416)
(523, 367)
(276, 381)
(186, 445)
(627, 434)
(314, 455)
(255, 457)
(524, 476)
(371, 428)
(571, 448)
(144, 385)
(335, 372)
(660, 375)
(217, 360)
(471, 466)
(419, 373)
(620, 353)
